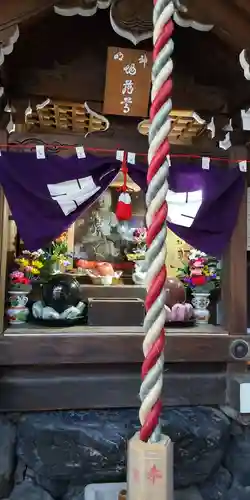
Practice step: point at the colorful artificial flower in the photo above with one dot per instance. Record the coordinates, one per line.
(198, 280)
(196, 273)
(62, 238)
(16, 275)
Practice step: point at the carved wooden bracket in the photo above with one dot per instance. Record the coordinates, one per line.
(80, 7)
(181, 17)
(8, 38)
(244, 59)
(186, 127)
(65, 117)
(131, 19)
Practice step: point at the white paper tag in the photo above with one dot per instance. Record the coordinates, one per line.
(205, 162)
(226, 143)
(243, 165)
(40, 152)
(169, 160)
(131, 158)
(245, 116)
(228, 127)
(211, 127)
(80, 153)
(119, 155)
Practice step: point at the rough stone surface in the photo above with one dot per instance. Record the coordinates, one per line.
(74, 493)
(217, 485)
(235, 415)
(238, 492)
(54, 455)
(29, 491)
(191, 493)
(237, 458)
(83, 447)
(7, 456)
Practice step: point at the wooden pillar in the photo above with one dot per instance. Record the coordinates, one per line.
(234, 274)
(4, 236)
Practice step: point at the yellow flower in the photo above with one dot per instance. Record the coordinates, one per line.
(22, 262)
(206, 271)
(34, 270)
(37, 264)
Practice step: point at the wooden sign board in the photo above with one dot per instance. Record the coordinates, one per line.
(128, 82)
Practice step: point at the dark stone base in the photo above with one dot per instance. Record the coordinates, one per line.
(54, 455)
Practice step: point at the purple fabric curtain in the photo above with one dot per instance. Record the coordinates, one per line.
(47, 195)
(25, 181)
(222, 190)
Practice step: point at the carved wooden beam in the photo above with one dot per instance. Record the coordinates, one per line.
(36, 85)
(228, 22)
(16, 11)
(123, 137)
(243, 5)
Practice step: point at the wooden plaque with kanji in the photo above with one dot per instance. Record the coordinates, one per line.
(128, 82)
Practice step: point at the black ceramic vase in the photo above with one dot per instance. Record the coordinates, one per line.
(60, 292)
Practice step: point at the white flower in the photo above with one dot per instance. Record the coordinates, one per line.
(196, 254)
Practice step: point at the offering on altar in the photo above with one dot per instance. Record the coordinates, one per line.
(180, 313)
(139, 239)
(175, 292)
(101, 273)
(61, 300)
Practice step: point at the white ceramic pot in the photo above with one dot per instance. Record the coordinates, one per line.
(200, 302)
(17, 315)
(17, 311)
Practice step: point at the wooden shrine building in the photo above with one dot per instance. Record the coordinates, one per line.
(55, 64)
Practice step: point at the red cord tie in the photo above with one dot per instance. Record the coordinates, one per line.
(124, 206)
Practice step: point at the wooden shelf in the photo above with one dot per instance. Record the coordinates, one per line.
(112, 345)
(84, 330)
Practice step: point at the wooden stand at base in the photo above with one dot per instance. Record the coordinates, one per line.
(150, 470)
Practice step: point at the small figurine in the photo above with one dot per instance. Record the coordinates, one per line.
(139, 274)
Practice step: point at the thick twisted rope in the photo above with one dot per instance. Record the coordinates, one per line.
(156, 220)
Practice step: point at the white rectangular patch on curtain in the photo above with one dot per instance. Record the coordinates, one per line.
(71, 194)
(183, 207)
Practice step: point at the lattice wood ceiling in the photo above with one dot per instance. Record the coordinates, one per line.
(186, 126)
(67, 117)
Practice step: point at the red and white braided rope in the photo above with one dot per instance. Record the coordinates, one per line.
(156, 219)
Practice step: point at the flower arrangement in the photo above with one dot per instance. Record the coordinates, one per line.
(40, 264)
(29, 267)
(200, 273)
(57, 255)
(139, 238)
